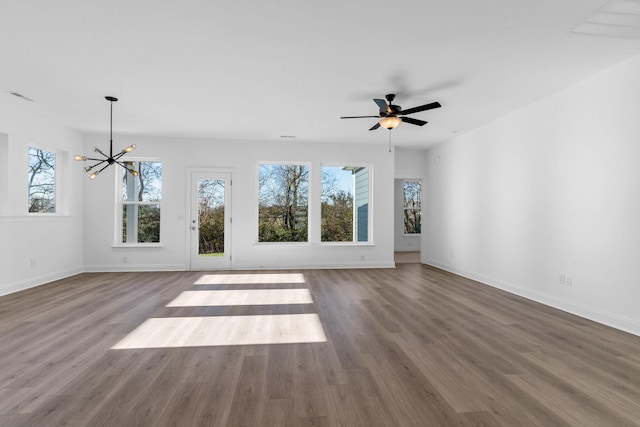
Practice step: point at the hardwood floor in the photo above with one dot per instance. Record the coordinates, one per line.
(407, 257)
(411, 346)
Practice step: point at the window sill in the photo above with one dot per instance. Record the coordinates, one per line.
(282, 243)
(137, 245)
(346, 244)
(33, 217)
(315, 244)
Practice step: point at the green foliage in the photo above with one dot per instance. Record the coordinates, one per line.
(137, 191)
(211, 231)
(211, 199)
(273, 227)
(283, 196)
(337, 217)
(149, 224)
(148, 217)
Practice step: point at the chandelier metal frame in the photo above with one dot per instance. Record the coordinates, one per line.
(111, 158)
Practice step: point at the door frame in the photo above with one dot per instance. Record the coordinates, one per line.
(188, 214)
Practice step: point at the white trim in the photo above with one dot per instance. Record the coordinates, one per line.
(609, 319)
(35, 281)
(229, 232)
(310, 199)
(115, 268)
(56, 181)
(138, 245)
(119, 204)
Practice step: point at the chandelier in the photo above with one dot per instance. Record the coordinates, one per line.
(107, 161)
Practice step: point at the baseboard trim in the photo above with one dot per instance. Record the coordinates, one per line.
(606, 318)
(120, 268)
(33, 282)
(332, 266)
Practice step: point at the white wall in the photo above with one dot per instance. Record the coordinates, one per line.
(241, 159)
(551, 189)
(37, 249)
(409, 165)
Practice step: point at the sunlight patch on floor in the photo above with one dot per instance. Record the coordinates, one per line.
(170, 332)
(242, 297)
(249, 279)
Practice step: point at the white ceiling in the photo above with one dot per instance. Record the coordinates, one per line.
(258, 70)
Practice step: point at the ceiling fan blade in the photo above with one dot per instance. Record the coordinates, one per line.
(413, 121)
(422, 108)
(360, 117)
(376, 126)
(382, 104)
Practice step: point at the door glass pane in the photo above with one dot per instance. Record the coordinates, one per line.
(210, 217)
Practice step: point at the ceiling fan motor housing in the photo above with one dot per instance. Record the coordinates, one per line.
(394, 110)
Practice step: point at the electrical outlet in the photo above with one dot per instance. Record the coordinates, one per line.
(124, 259)
(565, 279)
(33, 262)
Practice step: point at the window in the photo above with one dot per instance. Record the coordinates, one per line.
(140, 202)
(42, 181)
(412, 207)
(345, 204)
(283, 197)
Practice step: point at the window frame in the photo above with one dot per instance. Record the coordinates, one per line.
(57, 208)
(309, 167)
(120, 203)
(405, 208)
(354, 242)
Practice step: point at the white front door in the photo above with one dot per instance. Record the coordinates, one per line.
(210, 220)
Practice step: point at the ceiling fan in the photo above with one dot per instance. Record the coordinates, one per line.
(392, 115)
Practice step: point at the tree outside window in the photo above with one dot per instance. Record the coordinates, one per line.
(42, 181)
(412, 207)
(141, 196)
(211, 217)
(344, 204)
(283, 197)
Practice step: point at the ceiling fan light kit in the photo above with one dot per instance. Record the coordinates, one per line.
(110, 159)
(390, 122)
(392, 115)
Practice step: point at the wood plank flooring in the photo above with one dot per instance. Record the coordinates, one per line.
(411, 346)
(407, 257)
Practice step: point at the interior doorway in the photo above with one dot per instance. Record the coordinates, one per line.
(407, 220)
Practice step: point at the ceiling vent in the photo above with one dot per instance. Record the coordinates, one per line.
(618, 18)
